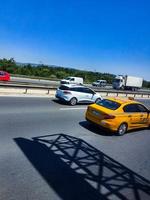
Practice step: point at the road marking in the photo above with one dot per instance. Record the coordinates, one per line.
(78, 108)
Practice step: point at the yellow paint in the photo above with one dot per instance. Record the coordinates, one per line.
(99, 115)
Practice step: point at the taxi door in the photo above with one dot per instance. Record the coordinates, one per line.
(136, 118)
(144, 115)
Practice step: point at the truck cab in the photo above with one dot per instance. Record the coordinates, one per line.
(119, 82)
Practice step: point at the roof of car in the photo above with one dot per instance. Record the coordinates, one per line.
(123, 100)
(73, 85)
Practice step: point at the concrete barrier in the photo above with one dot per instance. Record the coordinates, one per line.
(12, 90)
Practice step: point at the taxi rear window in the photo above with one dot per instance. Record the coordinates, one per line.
(108, 104)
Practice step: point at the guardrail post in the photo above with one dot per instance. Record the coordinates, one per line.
(48, 91)
(26, 91)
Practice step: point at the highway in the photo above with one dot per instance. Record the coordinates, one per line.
(35, 81)
(49, 152)
(42, 82)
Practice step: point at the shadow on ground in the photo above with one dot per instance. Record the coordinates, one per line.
(96, 129)
(101, 131)
(59, 102)
(78, 171)
(66, 103)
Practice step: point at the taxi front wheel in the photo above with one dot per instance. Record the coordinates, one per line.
(122, 129)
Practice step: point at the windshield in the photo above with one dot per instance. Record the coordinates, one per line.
(108, 104)
(68, 78)
(2, 73)
(117, 81)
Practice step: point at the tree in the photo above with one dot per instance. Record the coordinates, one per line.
(7, 64)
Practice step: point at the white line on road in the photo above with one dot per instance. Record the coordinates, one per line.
(78, 108)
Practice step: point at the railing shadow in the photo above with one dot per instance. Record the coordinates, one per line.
(77, 170)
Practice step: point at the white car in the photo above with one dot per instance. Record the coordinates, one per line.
(74, 94)
(100, 83)
(72, 80)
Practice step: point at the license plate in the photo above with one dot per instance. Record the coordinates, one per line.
(95, 113)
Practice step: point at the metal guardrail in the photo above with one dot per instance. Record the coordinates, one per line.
(55, 84)
(125, 93)
(48, 89)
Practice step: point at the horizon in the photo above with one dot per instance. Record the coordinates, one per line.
(107, 37)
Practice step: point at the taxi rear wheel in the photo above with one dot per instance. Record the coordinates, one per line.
(122, 129)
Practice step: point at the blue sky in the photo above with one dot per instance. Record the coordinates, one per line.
(106, 36)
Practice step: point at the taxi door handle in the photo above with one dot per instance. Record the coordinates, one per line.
(129, 115)
(141, 115)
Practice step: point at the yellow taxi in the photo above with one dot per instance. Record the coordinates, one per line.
(118, 114)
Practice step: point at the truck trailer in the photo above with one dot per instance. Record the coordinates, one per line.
(127, 82)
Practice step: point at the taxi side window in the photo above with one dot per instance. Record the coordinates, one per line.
(131, 108)
(142, 108)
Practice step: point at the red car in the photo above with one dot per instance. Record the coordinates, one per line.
(4, 76)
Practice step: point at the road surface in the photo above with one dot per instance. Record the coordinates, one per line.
(49, 152)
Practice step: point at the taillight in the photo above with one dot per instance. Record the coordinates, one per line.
(88, 109)
(66, 92)
(109, 116)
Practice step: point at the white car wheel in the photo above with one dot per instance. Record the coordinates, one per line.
(73, 101)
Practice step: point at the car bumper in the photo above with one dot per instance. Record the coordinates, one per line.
(102, 123)
(64, 98)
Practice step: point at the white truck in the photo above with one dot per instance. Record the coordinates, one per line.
(127, 82)
(72, 80)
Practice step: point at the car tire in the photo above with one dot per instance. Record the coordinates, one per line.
(98, 99)
(122, 129)
(73, 101)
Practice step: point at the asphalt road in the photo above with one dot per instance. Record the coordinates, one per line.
(49, 152)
